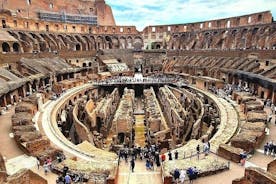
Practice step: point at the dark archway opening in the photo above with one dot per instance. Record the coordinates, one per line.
(15, 47)
(5, 47)
(121, 138)
(78, 47)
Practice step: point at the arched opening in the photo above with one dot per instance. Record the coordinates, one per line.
(4, 24)
(15, 47)
(89, 64)
(262, 94)
(260, 17)
(5, 47)
(121, 138)
(15, 99)
(78, 47)
(84, 65)
(158, 46)
(2, 101)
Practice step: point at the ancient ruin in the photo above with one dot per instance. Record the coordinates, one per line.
(83, 93)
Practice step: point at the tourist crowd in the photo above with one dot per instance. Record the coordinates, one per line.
(270, 148)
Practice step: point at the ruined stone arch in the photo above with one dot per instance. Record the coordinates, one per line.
(207, 40)
(93, 43)
(83, 44)
(15, 35)
(87, 42)
(78, 47)
(182, 41)
(35, 39)
(138, 43)
(115, 42)
(123, 42)
(108, 42)
(129, 42)
(71, 41)
(16, 47)
(27, 43)
(100, 42)
(60, 44)
(5, 47)
(42, 44)
(64, 40)
(175, 42)
(52, 45)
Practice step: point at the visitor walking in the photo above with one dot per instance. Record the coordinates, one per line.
(37, 163)
(170, 155)
(163, 157)
(176, 175)
(176, 155)
(132, 164)
(67, 179)
(182, 176)
(45, 167)
(198, 151)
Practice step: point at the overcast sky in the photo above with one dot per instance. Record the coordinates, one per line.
(154, 12)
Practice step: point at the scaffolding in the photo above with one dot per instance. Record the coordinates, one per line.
(68, 18)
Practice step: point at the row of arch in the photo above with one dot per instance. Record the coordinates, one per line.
(49, 42)
(10, 47)
(263, 37)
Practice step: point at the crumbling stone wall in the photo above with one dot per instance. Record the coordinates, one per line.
(256, 175)
(25, 176)
(229, 152)
(271, 167)
(123, 121)
(26, 136)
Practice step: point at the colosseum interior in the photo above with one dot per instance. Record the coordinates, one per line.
(79, 94)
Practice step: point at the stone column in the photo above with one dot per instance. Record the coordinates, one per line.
(30, 88)
(39, 102)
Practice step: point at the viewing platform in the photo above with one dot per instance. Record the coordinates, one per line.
(140, 81)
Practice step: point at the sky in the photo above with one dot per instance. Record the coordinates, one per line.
(142, 13)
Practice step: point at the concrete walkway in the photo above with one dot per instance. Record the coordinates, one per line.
(51, 129)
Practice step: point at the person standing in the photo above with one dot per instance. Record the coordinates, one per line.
(182, 175)
(170, 155)
(67, 179)
(132, 164)
(37, 163)
(163, 157)
(198, 151)
(266, 148)
(45, 167)
(157, 160)
(176, 175)
(176, 155)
